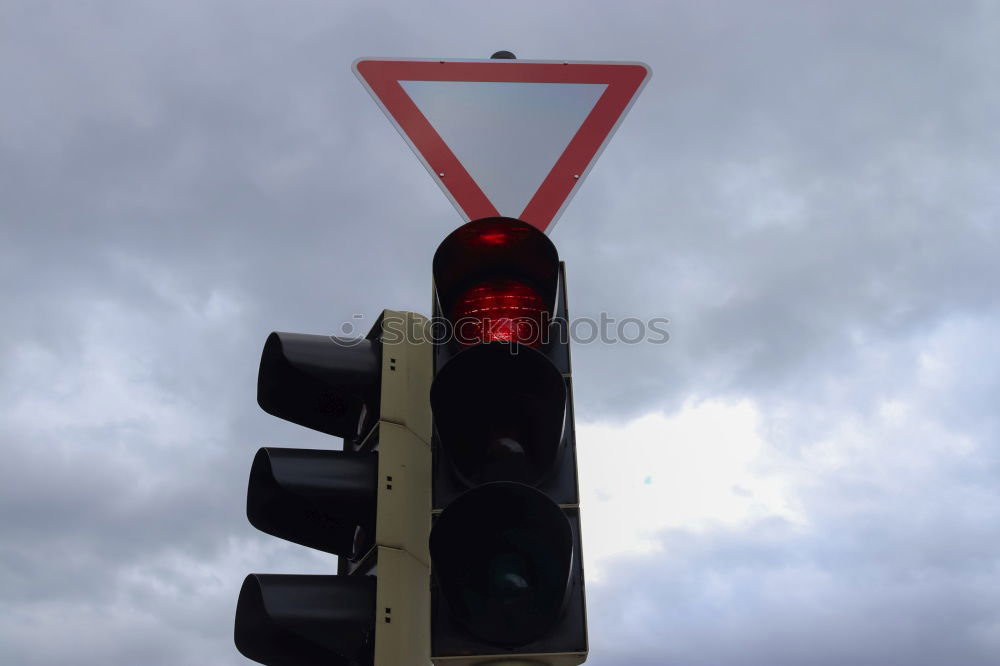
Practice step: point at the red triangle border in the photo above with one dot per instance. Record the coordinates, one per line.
(623, 80)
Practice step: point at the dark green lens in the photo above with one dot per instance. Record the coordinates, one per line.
(508, 578)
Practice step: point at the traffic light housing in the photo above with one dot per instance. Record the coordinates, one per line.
(507, 570)
(368, 503)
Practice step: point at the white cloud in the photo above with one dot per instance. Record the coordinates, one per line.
(876, 541)
(703, 467)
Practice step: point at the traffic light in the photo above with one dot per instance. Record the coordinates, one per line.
(368, 503)
(507, 573)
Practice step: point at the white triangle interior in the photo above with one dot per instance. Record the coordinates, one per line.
(508, 136)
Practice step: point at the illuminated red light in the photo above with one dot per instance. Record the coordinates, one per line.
(494, 238)
(500, 311)
(495, 234)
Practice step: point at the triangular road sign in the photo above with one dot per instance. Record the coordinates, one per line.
(505, 137)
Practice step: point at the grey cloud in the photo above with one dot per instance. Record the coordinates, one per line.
(911, 580)
(745, 598)
(805, 189)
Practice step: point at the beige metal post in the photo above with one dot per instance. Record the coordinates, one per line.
(403, 522)
(548, 659)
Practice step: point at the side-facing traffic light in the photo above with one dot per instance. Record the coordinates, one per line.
(369, 503)
(505, 543)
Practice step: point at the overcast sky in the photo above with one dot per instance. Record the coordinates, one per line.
(808, 473)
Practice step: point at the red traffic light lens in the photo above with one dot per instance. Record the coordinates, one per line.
(500, 311)
(495, 280)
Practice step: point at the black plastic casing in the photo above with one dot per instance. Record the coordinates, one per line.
(450, 633)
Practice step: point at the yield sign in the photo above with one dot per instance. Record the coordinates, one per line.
(505, 137)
